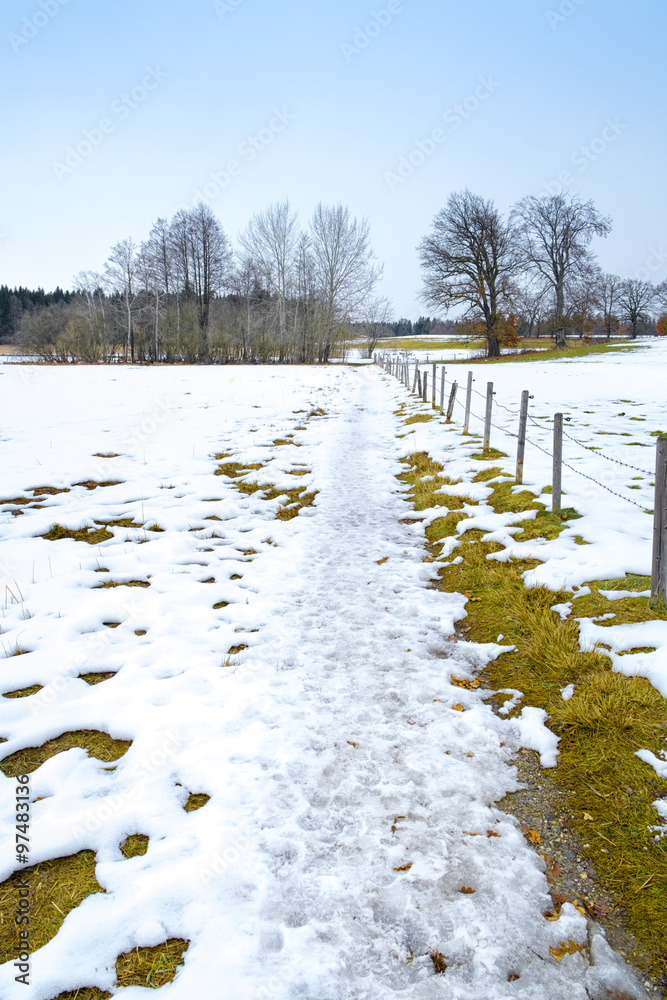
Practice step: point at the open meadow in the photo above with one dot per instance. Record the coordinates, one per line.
(280, 648)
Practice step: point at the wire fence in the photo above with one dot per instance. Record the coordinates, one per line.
(402, 368)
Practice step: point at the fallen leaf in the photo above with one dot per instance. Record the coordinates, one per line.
(355, 745)
(566, 948)
(458, 708)
(381, 562)
(469, 834)
(492, 833)
(470, 755)
(580, 908)
(513, 978)
(435, 699)
(405, 868)
(550, 915)
(597, 910)
(530, 835)
(467, 892)
(588, 818)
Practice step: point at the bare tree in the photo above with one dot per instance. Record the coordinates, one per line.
(554, 233)
(121, 272)
(210, 259)
(635, 298)
(342, 267)
(469, 259)
(608, 291)
(271, 243)
(90, 286)
(375, 323)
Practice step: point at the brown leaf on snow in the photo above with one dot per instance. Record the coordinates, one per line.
(492, 833)
(566, 948)
(405, 868)
(467, 892)
(458, 708)
(381, 562)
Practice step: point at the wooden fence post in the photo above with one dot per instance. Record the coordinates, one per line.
(557, 486)
(416, 384)
(468, 404)
(425, 388)
(659, 576)
(521, 449)
(433, 387)
(442, 389)
(489, 412)
(452, 400)
(419, 382)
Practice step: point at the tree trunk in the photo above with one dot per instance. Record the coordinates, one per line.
(493, 347)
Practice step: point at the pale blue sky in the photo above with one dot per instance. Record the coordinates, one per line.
(333, 112)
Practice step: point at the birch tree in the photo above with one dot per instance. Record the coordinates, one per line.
(343, 268)
(120, 272)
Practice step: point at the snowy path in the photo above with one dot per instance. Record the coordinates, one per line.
(350, 802)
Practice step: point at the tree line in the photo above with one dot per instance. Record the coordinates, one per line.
(285, 294)
(289, 293)
(532, 272)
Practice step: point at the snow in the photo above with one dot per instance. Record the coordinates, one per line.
(335, 748)
(613, 403)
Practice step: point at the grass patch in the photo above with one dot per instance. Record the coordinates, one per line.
(488, 456)
(90, 535)
(609, 718)
(196, 802)
(135, 846)
(419, 418)
(93, 679)
(90, 484)
(235, 650)
(112, 584)
(25, 692)
(87, 993)
(48, 491)
(568, 353)
(99, 745)
(55, 889)
(151, 967)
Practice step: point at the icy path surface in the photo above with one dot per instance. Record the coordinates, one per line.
(353, 788)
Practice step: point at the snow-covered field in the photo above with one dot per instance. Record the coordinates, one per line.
(352, 787)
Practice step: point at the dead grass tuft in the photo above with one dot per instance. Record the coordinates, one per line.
(93, 679)
(55, 889)
(99, 745)
(151, 967)
(25, 692)
(196, 802)
(135, 846)
(89, 535)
